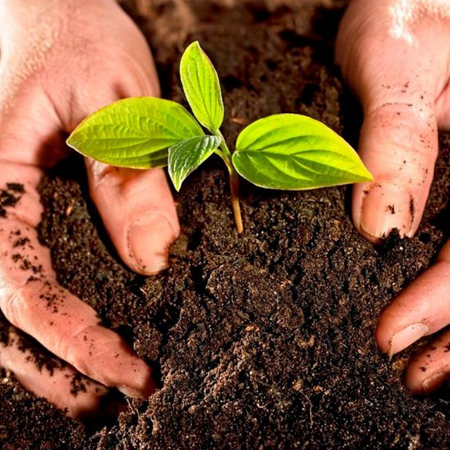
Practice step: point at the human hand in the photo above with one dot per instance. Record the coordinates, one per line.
(395, 55)
(61, 60)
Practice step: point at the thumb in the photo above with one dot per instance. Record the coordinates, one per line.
(399, 145)
(136, 206)
(139, 213)
(397, 73)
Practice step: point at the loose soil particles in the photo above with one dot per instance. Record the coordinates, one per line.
(259, 341)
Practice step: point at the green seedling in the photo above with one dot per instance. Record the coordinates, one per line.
(283, 151)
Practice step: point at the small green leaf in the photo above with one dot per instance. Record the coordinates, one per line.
(202, 88)
(135, 132)
(186, 156)
(294, 152)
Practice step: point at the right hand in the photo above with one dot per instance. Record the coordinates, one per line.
(395, 55)
(62, 60)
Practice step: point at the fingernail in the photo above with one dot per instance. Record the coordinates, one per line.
(143, 385)
(384, 207)
(138, 382)
(433, 382)
(149, 239)
(130, 392)
(406, 337)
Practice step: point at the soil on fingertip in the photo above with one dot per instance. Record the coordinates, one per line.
(259, 341)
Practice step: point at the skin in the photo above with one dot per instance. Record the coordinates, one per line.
(44, 94)
(395, 55)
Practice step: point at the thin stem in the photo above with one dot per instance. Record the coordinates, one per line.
(224, 148)
(234, 182)
(234, 185)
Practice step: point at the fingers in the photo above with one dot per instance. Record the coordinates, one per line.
(31, 299)
(71, 330)
(397, 71)
(63, 385)
(138, 211)
(430, 367)
(421, 309)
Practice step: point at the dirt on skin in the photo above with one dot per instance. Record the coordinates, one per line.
(264, 340)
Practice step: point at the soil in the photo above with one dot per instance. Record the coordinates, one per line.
(259, 341)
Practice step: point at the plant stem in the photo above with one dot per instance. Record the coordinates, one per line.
(234, 185)
(234, 182)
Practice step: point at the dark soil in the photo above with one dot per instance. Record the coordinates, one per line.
(264, 340)
(9, 197)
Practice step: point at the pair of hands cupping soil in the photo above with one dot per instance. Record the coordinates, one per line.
(56, 70)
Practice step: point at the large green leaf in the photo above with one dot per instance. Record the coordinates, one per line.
(293, 152)
(135, 132)
(186, 156)
(202, 88)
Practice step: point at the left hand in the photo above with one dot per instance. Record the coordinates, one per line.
(61, 60)
(395, 55)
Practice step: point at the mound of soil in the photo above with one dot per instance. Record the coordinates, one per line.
(264, 340)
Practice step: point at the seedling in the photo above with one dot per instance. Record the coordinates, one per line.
(283, 151)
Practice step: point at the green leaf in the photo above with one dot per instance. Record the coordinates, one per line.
(294, 152)
(186, 156)
(135, 132)
(202, 88)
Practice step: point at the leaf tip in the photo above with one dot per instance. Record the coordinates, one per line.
(193, 46)
(366, 175)
(71, 141)
(175, 181)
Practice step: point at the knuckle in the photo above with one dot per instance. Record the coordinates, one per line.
(13, 304)
(405, 126)
(76, 349)
(105, 174)
(89, 349)
(410, 114)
